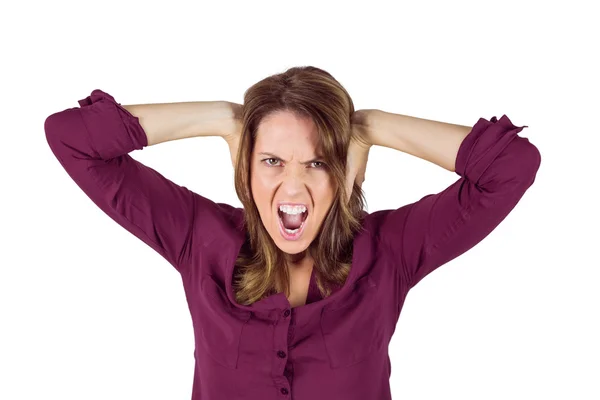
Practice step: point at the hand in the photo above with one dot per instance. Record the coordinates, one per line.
(233, 131)
(358, 151)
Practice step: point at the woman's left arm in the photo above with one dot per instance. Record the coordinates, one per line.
(434, 141)
(496, 166)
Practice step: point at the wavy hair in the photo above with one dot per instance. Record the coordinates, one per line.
(260, 266)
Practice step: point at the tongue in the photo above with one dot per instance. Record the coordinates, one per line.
(292, 221)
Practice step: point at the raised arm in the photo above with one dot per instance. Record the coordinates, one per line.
(163, 122)
(496, 166)
(92, 143)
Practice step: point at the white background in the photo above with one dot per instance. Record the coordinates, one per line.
(87, 311)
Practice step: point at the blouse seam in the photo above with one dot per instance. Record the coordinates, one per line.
(189, 236)
(410, 277)
(390, 249)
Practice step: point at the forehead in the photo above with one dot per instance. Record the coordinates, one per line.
(286, 127)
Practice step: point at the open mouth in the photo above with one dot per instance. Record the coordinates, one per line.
(292, 225)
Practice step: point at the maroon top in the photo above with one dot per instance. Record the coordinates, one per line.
(332, 348)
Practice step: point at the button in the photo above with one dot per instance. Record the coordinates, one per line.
(286, 313)
(281, 354)
(284, 391)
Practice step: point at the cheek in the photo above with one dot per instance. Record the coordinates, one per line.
(326, 191)
(261, 186)
(262, 193)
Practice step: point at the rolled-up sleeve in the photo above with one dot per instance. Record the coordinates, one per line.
(496, 166)
(92, 143)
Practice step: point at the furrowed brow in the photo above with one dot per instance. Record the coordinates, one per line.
(317, 158)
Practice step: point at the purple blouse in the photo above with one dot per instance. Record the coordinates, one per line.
(331, 348)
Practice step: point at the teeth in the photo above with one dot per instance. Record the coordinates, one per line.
(292, 209)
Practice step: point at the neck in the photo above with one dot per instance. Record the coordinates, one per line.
(299, 261)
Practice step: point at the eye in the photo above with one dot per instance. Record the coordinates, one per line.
(320, 164)
(268, 159)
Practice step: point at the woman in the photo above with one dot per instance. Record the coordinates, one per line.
(298, 292)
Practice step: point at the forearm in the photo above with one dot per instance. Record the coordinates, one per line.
(437, 142)
(163, 122)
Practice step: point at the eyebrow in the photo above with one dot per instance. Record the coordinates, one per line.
(318, 157)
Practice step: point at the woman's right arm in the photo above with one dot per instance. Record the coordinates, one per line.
(92, 143)
(163, 122)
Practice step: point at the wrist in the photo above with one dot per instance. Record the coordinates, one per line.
(368, 122)
(232, 122)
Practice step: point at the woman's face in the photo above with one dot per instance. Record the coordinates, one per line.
(286, 169)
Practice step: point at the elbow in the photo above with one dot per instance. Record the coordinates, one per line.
(53, 126)
(530, 161)
(64, 134)
(50, 124)
(64, 127)
(524, 160)
(52, 129)
(515, 169)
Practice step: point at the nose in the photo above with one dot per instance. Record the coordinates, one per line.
(294, 181)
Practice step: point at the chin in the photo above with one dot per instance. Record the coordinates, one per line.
(291, 248)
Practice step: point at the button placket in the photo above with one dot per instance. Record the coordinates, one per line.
(282, 326)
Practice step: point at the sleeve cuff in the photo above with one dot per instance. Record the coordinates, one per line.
(114, 131)
(483, 144)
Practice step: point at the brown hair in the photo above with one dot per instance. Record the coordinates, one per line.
(314, 93)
